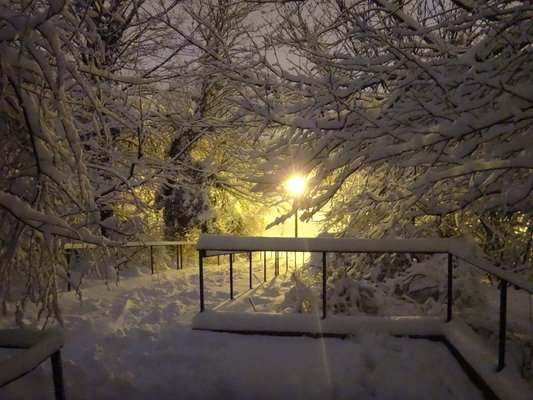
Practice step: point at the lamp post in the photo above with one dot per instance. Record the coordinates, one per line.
(295, 186)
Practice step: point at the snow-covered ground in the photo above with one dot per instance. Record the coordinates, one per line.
(134, 341)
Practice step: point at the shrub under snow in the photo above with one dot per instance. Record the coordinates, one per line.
(354, 289)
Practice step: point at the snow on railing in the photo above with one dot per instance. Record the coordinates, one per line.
(36, 347)
(211, 245)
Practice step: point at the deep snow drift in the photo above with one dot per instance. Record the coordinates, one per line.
(135, 341)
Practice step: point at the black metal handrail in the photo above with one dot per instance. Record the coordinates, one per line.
(230, 262)
(453, 248)
(68, 248)
(36, 347)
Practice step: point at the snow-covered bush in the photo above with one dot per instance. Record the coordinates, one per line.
(425, 283)
(420, 284)
(344, 295)
(303, 296)
(351, 297)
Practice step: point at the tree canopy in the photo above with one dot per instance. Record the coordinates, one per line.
(128, 118)
(404, 113)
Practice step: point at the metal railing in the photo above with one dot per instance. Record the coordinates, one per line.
(70, 248)
(505, 279)
(275, 255)
(451, 247)
(35, 347)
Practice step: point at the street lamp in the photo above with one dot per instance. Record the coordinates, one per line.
(295, 186)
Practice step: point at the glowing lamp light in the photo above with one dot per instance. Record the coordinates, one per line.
(295, 185)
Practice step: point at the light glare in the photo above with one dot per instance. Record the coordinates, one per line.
(295, 185)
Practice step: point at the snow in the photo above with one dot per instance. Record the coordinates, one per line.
(38, 347)
(81, 246)
(249, 243)
(313, 324)
(506, 384)
(457, 247)
(136, 341)
(48, 223)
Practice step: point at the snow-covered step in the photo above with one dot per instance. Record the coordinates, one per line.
(506, 384)
(314, 325)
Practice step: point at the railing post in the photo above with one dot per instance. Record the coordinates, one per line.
(231, 276)
(503, 324)
(201, 273)
(152, 259)
(68, 256)
(324, 304)
(250, 261)
(450, 288)
(265, 266)
(178, 256)
(57, 374)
